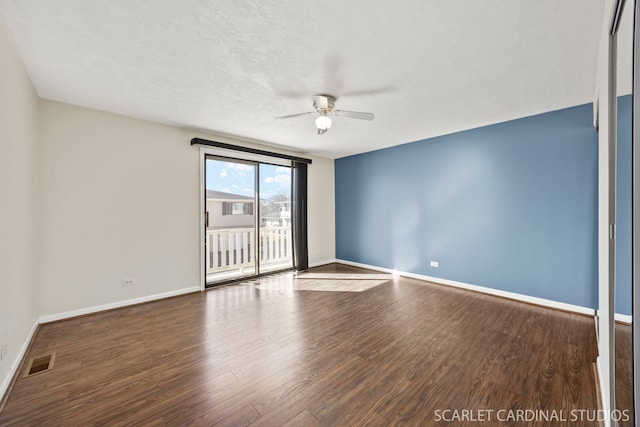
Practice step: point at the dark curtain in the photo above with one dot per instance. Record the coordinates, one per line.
(299, 223)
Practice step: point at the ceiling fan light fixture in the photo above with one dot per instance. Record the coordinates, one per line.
(323, 123)
(324, 106)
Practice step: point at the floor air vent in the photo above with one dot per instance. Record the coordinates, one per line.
(37, 365)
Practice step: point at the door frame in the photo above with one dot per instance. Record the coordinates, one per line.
(231, 155)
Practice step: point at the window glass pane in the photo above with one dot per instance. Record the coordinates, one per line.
(275, 218)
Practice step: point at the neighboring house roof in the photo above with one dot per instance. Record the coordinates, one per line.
(221, 195)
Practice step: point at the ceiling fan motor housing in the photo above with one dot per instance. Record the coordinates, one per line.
(324, 103)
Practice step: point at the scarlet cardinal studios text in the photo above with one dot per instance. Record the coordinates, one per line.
(508, 415)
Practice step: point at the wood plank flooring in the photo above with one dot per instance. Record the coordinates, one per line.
(624, 372)
(240, 355)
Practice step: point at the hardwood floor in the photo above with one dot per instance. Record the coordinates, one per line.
(624, 372)
(395, 354)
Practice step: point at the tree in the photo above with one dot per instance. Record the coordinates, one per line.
(272, 206)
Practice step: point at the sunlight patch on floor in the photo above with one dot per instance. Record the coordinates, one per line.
(329, 282)
(345, 276)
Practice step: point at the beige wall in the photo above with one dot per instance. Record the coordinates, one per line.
(120, 200)
(117, 202)
(321, 211)
(19, 209)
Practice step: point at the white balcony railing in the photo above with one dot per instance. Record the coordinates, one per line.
(230, 249)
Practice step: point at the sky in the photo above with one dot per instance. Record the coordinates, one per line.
(239, 178)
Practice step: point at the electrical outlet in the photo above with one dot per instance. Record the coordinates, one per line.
(128, 282)
(434, 264)
(3, 351)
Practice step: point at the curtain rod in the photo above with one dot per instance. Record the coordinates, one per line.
(200, 141)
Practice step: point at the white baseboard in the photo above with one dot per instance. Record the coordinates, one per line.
(18, 359)
(623, 318)
(505, 294)
(319, 263)
(89, 310)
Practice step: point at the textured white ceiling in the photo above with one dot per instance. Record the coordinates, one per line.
(425, 68)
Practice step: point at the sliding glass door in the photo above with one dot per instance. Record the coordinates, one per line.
(230, 219)
(247, 219)
(275, 218)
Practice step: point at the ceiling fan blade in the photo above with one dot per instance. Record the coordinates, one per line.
(354, 114)
(293, 93)
(291, 116)
(365, 92)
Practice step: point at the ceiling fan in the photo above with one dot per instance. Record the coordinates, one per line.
(324, 106)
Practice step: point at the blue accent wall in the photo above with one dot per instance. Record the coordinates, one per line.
(623, 208)
(512, 206)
